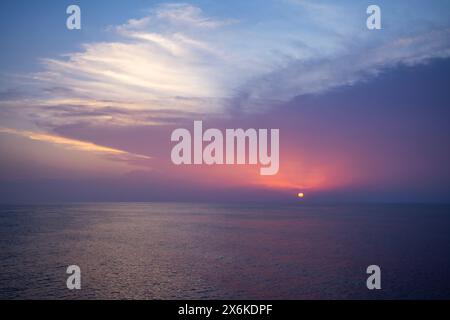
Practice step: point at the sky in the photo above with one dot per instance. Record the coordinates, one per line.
(87, 115)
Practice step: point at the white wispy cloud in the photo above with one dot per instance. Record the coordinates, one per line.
(145, 69)
(177, 14)
(177, 58)
(300, 77)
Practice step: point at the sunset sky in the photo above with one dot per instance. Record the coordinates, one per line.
(86, 115)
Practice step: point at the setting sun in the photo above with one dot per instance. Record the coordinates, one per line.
(301, 195)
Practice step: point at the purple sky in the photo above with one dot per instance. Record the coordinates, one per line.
(363, 115)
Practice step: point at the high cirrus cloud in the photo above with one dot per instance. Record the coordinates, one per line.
(177, 58)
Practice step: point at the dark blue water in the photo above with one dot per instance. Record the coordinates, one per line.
(205, 251)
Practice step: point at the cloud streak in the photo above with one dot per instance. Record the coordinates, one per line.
(73, 144)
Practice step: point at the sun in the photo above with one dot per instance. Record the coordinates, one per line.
(301, 195)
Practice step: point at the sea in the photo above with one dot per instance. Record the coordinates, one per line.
(224, 251)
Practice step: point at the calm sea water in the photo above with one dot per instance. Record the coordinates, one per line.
(205, 251)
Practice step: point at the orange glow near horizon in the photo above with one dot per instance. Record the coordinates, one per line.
(305, 171)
